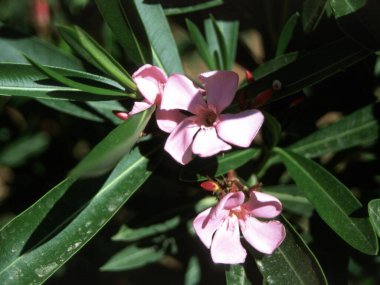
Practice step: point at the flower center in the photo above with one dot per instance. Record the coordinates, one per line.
(210, 118)
(207, 116)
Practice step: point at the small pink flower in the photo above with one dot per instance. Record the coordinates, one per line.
(219, 227)
(208, 131)
(150, 81)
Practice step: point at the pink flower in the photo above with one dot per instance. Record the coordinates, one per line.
(219, 227)
(150, 81)
(207, 131)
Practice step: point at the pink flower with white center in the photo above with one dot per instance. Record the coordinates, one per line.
(207, 131)
(150, 81)
(219, 227)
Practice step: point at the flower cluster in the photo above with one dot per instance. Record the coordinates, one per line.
(192, 115)
(219, 227)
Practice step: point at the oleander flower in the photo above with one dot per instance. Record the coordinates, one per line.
(219, 227)
(150, 81)
(207, 131)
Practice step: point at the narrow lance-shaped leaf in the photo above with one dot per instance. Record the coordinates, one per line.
(235, 275)
(312, 13)
(55, 248)
(334, 203)
(13, 50)
(165, 52)
(128, 29)
(88, 48)
(126, 233)
(26, 81)
(287, 34)
(374, 214)
(200, 168)
(133, 257)
(359, 20)
(201, 44)
(311, 68)
(118, 142)
(78, 85)
(291, 263)
(192, 8)
(359, 128)
(123, 137)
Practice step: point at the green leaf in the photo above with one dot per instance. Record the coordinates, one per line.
(287, 34)
(235, 275)
(374, 215)
(202, 168)
(72, 108)
(222, 39)
(310, 69)
(312, 13)
(128, 29)
(292, 199)
(193, 272)
(334, 203)
(118, 142)
(90, 50)
(25, 81)
(359, 20)
(291, 263)
(201, 44)
(133, 257)
(165, 52)
(78, 85)
(126, 233)
(13, 51)
(359, 128)
(55, 243)
(192, 8)
(20, 150)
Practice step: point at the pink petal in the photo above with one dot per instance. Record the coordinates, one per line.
(220, 87)
(180, 93)
(206, 223)
(139, 107)
(226, 246)
(178, 144)
(263, 205)
(167, 120)
(230, 201)
(206, 143)
(264, 236)
(150, 80)
(240, 129)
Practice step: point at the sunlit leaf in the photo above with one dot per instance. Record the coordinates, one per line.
(374, 214)
(88, 48)
(127, 26)
(117, 143)
(25, 81)
(192, 8)
(165, 52)
(46, 239)
(13, 51)
(78, 85)
(334, 203)
(193, 272)
(291, 263)
(235, 275)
